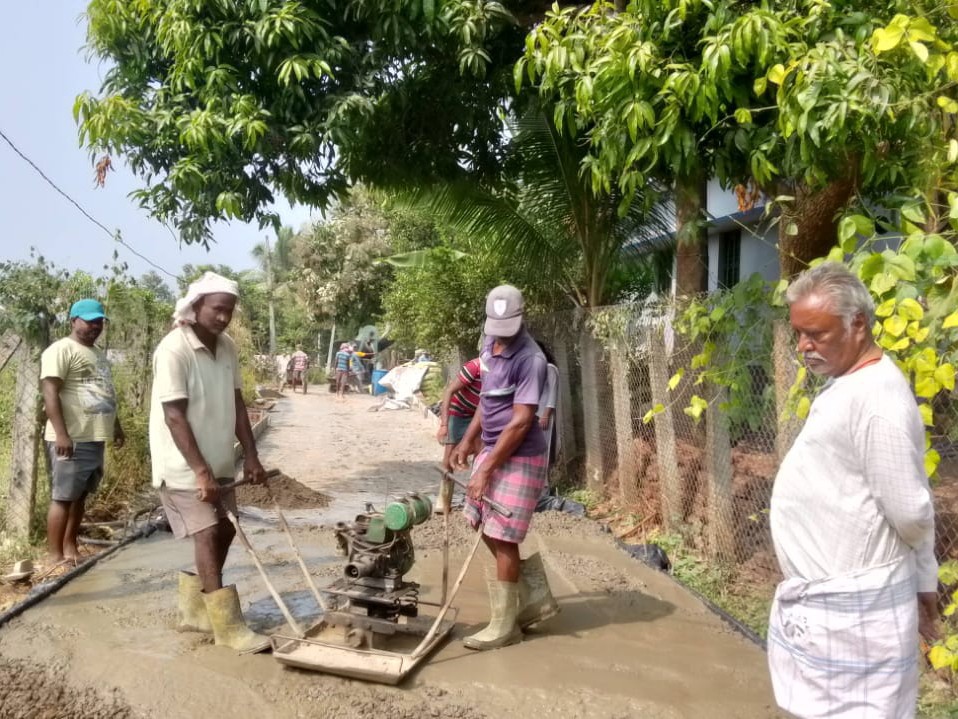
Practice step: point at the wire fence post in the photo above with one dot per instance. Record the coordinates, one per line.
(718, 470)
(670, 482)
(596, 467)
(622, 413)
(22, 490)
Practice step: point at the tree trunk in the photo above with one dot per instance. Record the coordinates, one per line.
(670, 482)
(269, 294)
(807, 229)
(718, 466)
(691, 231)
(329, 353)
(22, 491)
(596, 466)
(622, 411)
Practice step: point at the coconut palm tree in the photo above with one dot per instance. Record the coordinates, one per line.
(275, 262)
(545, 215)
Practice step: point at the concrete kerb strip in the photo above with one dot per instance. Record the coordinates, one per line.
(732, 622)
(44, 590)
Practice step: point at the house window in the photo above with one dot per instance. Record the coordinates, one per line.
(729, 258)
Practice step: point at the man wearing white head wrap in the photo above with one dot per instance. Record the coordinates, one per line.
(209, 284)
(197, 411)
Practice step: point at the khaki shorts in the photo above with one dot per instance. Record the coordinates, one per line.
(187, 515)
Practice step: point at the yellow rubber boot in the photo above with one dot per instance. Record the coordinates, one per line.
(502, 629)
(229, 626)
(536, 603)
(193, 616)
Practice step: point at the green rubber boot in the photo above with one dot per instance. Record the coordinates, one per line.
(536, 603)
(193, 615)
(229, 626)
(502, 629)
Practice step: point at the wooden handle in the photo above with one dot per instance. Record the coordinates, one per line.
(495, 506)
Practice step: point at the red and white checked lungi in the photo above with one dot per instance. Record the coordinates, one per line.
(517, 484)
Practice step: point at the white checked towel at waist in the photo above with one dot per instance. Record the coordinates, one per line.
(847, 646)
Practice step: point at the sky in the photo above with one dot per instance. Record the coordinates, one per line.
(43, 67)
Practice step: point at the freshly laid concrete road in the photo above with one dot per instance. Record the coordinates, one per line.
(628, 643)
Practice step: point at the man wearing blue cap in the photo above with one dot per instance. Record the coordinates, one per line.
(80, 404)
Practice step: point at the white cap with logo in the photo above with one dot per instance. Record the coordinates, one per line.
(504, 307)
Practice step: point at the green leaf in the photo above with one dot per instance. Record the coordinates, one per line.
(743, 116)
(776, 74)
(910, 309)
(927, 387)
(886, 308)
(920, 50)
(945, 375)
(948, 573)
(696, 407)
(895, 325)
(885, 39)
(939, 657)
(676, 378)
(657, 409)
(758, 87)
(912, 211)
(947, 104)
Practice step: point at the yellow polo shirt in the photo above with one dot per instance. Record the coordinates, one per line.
(183, 368)
(87, 397)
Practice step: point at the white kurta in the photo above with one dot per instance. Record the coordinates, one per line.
(853, 526)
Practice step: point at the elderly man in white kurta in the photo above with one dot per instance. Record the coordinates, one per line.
(852, 520)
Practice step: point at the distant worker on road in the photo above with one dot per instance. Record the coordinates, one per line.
(196, 413)
(852, 520)
(356, 371)
(300, 365)
(342, 370)
(81, 409)
(511, 469)
(459, 402)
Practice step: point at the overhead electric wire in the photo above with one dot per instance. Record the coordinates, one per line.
(115, 236)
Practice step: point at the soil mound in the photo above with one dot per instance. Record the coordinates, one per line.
(289, 493)
(43, 692)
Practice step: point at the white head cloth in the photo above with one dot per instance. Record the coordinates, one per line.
(209, 284)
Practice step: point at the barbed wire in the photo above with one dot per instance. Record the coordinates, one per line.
(115, 236)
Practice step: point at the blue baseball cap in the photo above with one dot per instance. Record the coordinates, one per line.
(87, 310)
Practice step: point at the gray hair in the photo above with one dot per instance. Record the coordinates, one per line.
(846, 294)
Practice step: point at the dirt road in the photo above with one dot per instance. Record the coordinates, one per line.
(629, 641)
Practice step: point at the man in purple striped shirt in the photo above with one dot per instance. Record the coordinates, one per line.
(511, 469)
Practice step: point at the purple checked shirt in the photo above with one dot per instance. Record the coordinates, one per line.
(516, 375)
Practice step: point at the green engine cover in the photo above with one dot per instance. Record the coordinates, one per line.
(407, 512)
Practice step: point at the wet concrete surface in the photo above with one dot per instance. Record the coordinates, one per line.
(629, 642)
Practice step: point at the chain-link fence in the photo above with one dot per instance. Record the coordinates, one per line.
(680, 417)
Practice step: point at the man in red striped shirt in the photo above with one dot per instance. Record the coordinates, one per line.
(459, 403)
